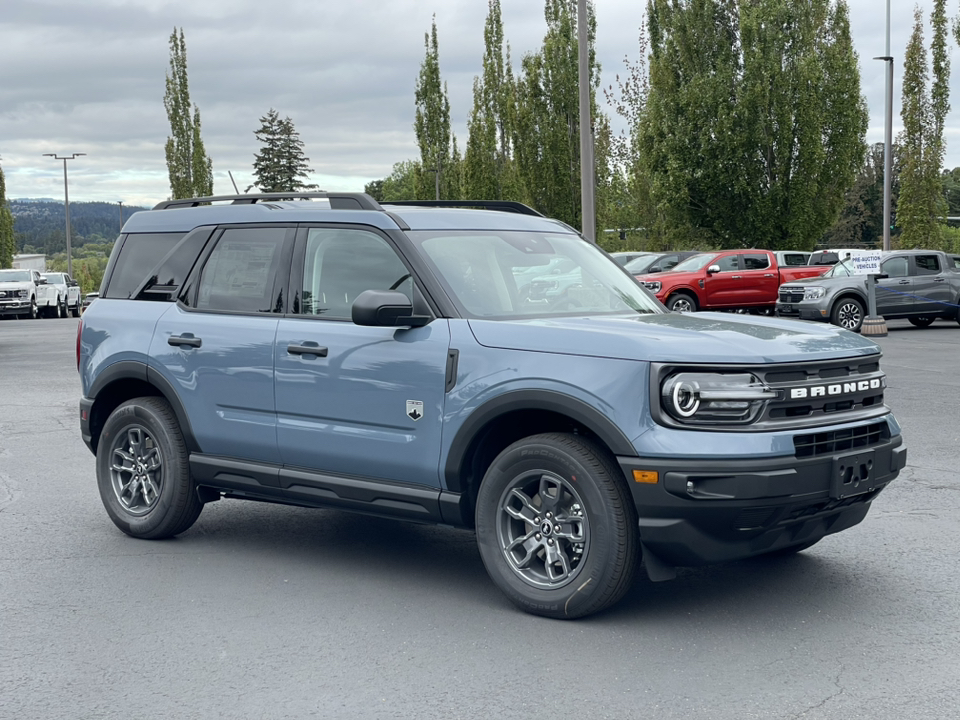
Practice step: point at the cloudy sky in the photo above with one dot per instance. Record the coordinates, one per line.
(87, 76)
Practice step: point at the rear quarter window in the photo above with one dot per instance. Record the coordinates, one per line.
(136, 257)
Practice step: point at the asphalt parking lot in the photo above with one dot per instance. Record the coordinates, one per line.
(265, 611)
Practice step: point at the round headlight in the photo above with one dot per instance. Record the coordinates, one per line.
(686, 398)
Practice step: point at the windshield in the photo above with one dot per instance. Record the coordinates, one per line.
(841, 269)
(501, 275)
(52, 277)
(692, 264)
(639, 265)
(14, 276)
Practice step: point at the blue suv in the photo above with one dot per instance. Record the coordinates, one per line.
(323, 350)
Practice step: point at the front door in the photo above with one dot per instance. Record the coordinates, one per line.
(369, 401)
(895, 292)
(723, 288)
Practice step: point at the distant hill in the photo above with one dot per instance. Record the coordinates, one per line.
(39, 224)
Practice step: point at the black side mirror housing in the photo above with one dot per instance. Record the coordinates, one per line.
(385, 308)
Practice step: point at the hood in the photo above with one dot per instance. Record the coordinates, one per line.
(15, 284)
(675, 337)
(670, 277)
(842, 281)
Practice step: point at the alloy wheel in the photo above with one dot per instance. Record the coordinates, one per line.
(136, 470)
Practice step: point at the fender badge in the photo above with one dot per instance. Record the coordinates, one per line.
(414, 409)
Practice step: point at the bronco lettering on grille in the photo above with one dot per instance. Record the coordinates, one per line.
(835, 389)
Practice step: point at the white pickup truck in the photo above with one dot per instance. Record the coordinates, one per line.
(18, 292)
(60, 295)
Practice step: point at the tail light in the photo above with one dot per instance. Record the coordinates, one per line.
(79, 333)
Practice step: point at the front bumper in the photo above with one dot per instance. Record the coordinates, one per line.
(708, 511)
(803, 311)
(14, 307)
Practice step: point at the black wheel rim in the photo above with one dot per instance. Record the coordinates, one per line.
(542, 529)
(849, 316)
(136, 470)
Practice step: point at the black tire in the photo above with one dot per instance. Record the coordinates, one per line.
(921, 322)
(794, 549)
(681, 302)
(848, 314)
(75, 310)
(62, 310)
(143, 473)
(32, 313)
(596, 551)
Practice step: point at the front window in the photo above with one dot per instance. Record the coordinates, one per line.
(695, 263)
(841, 269)
(14, 276)
(523, 274)
(639, 265)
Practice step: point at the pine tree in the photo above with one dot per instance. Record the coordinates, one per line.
(7, 243)
(189, 168)
(922, 208)
(432, 124)
(280, 164)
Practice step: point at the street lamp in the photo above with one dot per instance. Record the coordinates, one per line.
(66, 204)
(887, 138)
(120, 203)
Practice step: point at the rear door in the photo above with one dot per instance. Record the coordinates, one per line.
(933, 292)
(369, 401)
(215, 346)
(760, 281)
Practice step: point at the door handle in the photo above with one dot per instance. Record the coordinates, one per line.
(735, 277)
(903, 282)
(768, 274)
(940, 280)
(307, 349)
(187, 339)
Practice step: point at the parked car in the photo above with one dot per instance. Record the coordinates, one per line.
(87, 299)
(18, 292)
(623, 258)
(919, 285)
(792, 258)
(658, 262)
(727, 280)
(60, 295)
(381, 359)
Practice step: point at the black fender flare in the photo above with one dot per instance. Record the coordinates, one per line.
(135, 370)
(548, 400)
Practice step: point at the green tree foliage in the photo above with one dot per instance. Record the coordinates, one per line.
(921, 213)
(40, 225)
(753, 125)
(432, 126)
(547, 122)
(189, 168)
(7, 244)
(861, 219)
(488, 171)
(280, 165)
(89, 265)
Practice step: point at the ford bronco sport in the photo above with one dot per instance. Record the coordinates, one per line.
(319, 349)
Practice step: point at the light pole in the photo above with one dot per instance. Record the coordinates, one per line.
(120, 203)
(587, 180)
(66, 204)
(887, 138)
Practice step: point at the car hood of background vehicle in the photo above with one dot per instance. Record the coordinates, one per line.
(675, 337)
(831, 282)
(15, 285)
(670, 277)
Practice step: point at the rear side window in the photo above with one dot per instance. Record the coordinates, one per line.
(794, 259)
(755, 261)
(138, 255)
(240, 274)
(927, 264)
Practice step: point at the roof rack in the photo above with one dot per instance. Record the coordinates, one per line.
(501, 205)
(338, 201)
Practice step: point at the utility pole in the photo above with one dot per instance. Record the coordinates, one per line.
(66, 204)
(120, 203)
(887, 139)
(587, 181)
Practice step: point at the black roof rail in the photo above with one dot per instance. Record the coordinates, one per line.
(338, 200)
(501, 205)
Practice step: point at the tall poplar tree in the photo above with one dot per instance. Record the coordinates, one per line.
(922, 207)
(281, 164)
(547, 127)
(7, 243)
(488, 162)
(189, 168)
(432, 124)
(754, 122)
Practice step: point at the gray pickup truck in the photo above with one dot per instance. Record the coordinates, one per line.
(919, 285)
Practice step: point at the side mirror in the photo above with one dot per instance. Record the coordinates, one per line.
(385, 308)
(713, 269)
(42, 281)
(655, 269)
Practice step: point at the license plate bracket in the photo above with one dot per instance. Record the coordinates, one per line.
(853, 474)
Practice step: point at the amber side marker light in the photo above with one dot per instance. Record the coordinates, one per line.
(651, 477)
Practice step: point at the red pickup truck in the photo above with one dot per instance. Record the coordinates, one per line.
(726, 280)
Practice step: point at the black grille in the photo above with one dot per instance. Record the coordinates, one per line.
(787, 296)
(837, 441)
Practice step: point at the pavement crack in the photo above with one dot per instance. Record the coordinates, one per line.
(838, 693)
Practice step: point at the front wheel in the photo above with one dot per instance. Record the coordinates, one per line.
(848, 314)
(143, 473)
(75, 310)
(681, 302)
(33, 312)
(556, 527)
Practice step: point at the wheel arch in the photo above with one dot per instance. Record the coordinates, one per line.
(507, 418)
(848, 295)
(124, 381)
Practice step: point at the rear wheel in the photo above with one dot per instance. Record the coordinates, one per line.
(921, 322)
(75, 310)
(848, 314)
(556, 527)
(681, 302)
(143, 473)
